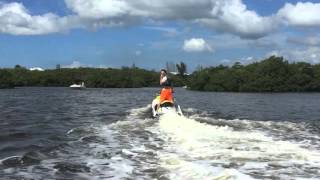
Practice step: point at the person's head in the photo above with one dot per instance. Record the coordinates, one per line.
(163, 72)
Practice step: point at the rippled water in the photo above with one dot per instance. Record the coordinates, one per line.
(58, 133)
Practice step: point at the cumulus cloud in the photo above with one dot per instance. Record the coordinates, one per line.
(156, 9)
(301, 14)
(196, 45)
(224, 15)
(229, 16)
(233, 16)
(98, 9)
(15, 19)
(309, 54)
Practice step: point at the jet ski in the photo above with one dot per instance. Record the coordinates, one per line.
(165, 107)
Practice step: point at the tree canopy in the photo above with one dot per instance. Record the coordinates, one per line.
(182, 68)
(273, 74)
(126, 77)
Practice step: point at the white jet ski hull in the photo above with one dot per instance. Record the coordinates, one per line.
(164, 109)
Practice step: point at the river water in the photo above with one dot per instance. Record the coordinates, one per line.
(59, 133)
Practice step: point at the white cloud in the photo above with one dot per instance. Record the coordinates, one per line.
(98, 9)
(293, 47)
(74, 64)
(233, 16)
(228, 16)
(196, 45)
(249, 58)
(301, 14)
(309, 54)
(15, 19)
(77, 64)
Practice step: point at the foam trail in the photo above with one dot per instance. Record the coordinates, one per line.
(123, 154)
(176, 147)
(197, 150)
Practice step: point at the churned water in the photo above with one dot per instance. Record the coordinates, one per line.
(59, 133)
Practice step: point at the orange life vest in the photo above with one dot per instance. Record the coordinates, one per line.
(166, 95)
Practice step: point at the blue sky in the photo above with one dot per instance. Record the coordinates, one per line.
(105, 33)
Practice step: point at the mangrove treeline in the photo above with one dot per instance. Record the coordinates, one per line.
(126, 77)
(273, 74)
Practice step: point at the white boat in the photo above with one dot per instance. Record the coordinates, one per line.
(78, 86)
(165, 107)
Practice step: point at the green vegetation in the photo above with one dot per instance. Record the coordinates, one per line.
(93, 77)
(273, 74)
(6, 79)
(182, 68)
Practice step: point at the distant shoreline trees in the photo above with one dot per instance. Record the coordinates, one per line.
(273, 74)
(126, 77)
(6, 79)
(182, 68)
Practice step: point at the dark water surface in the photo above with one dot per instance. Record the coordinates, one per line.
(59, 133)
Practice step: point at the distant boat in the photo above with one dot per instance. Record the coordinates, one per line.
(78, 86)
(185, 87)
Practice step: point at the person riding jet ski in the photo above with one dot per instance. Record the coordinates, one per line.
(165, 99)
(166, 93)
